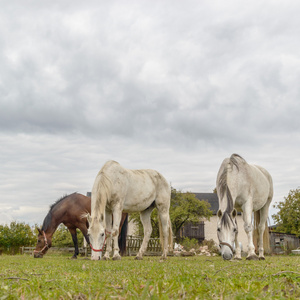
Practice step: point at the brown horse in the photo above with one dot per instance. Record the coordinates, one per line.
(71, 211)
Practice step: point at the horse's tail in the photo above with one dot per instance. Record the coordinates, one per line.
(266, 235)
(122, 237)
(170, 236)
(101, 192)
(170, 240)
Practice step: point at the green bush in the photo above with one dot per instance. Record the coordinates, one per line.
(189, 244)
(16, 235)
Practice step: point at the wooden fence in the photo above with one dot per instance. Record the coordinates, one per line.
(133, 244)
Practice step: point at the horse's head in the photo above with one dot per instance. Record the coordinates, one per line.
(43, 244)
(227, 230)
(96, 234)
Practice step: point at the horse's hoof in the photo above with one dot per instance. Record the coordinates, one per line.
(162, 259)
(262, 258)
(252, 257)
(74, 257)
(138, 258)
(237, 258)
(105, 258)
(117, 257)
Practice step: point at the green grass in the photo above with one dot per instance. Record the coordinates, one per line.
(57, 277)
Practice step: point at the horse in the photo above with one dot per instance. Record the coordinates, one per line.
(117, 189)
(245, 188)
(71, 210)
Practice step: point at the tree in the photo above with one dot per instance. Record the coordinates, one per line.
(185, 207)
(288, 216)
(16, 235)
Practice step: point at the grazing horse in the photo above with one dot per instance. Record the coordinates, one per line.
(71, 210)
(117, 189)
(246, 188)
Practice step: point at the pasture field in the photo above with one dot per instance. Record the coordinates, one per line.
(197, 277)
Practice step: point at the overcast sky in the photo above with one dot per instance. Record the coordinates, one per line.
(175, 86)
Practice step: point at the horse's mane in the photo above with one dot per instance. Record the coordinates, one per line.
(47, 220)
(101, 194)
(234, 160)
(226, 216)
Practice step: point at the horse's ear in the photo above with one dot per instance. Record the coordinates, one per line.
(39, 230)
(219, 214)
(234, 213)
(89, 218)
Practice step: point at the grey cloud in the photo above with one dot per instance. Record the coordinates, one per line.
(176, 85)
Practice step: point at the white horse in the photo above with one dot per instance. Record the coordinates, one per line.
(246, 188)
(117, 189)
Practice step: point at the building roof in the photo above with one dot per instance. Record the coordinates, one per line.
(211, 198)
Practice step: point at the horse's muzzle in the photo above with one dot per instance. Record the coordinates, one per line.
(95, 258)
(226, 250)
(227, 256)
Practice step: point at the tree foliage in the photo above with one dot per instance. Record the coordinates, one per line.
(185, 207)
(288, 216)
(16, 235)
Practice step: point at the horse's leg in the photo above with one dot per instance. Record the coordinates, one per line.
(117, 215)
(247, 216)
(146, 221)
(238, 252)
(261, 229)
(86, 241)
(123, 234)
(108, 250)
(164, 220)
(75, 241)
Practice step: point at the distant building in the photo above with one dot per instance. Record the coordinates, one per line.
(282, 242)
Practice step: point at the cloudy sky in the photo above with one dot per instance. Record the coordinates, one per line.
(175, 86)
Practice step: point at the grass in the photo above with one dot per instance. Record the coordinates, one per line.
(58, 277)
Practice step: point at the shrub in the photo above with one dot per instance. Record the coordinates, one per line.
(188, 243)
(16, 235)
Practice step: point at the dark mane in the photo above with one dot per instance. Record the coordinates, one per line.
(59, 200)
(226, 219)
(47, 220)
(233, 160)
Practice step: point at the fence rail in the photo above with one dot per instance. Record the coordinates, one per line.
(133, 244)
